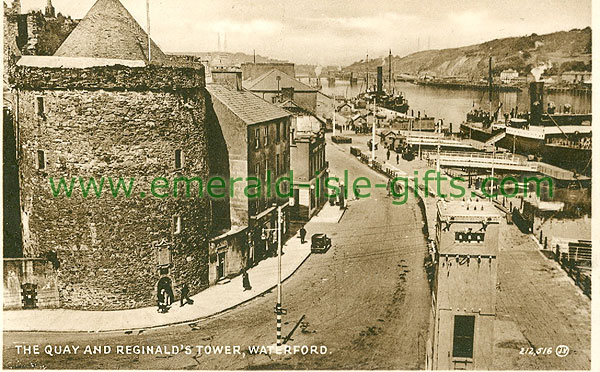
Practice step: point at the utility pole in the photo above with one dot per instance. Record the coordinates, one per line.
(373, 138)
(148, 24)
(334, 114)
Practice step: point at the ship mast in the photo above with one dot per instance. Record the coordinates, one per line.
(490, 83)
(390, 73)
(367, 84)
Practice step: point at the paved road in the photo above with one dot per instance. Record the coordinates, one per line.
(366, 300)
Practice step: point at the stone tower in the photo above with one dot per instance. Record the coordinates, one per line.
(50, 11)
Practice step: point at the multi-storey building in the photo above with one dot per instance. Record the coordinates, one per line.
(464, 287)
(251, 137)
(308, 162)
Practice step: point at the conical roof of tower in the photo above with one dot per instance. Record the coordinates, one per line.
(109, 31)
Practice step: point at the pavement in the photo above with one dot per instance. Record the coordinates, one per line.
(537, 306)
(212, 301)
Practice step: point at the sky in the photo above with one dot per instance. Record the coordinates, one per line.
(339, 32)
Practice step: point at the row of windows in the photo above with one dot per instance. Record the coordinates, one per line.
(261, 135)
(41, 159)
(468, 237)
(317, 163)
(279, 169)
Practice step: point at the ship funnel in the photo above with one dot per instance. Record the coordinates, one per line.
(536, 102)
(380, 78)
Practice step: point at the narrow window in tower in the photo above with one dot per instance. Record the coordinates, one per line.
(176, 225)
(464, 329)
(41, 159)
(178, 159)
(41, 110)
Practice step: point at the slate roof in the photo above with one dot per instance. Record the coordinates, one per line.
(267, 82)
(109, 31)
(250, 108)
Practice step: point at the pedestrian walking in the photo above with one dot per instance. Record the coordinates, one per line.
(185, 295)
(163, 306)
(397, 158)
(164, 294)
(388, 154)
(302, 235)
(246, 280)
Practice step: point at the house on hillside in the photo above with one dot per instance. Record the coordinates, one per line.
(573, 77)
(508, 76)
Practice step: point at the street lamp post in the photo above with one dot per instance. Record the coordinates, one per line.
(279, 311)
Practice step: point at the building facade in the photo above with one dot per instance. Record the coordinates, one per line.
(310, 167)
(508, 76)
(251, 136)
(464, 288)
(572, 77)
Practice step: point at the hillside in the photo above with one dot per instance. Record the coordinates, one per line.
(519, 53)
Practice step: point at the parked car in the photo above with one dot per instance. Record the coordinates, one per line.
(320, 243)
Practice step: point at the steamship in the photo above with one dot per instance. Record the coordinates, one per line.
(557, 137)
(390, 99)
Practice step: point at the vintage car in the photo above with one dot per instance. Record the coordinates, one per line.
(320, 243)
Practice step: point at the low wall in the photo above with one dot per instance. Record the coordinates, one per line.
(37, 271)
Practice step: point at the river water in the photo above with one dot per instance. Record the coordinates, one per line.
(453, 105)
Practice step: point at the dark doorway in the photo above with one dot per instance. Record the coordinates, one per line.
(221, 265)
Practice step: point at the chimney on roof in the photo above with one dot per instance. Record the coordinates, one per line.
(228, 76)
(287, 93)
